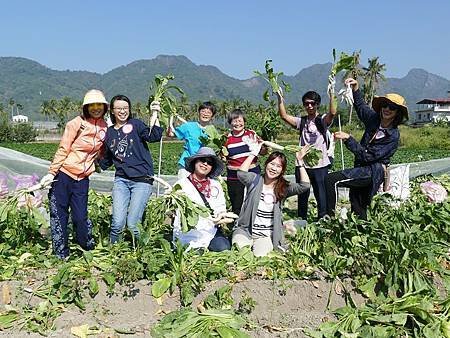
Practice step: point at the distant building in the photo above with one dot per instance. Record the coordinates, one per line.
(20, 118)
(45, 125)
(432, 110)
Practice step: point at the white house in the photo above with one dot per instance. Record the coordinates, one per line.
(20, 118)
(432, 110)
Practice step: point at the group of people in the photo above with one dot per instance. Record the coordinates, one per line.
(256, 194)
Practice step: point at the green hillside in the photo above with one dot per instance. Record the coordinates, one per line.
(30, 83)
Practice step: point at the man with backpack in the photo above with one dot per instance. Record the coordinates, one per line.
(313, 131)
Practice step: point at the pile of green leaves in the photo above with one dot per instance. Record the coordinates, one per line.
(394, 257)
(178, 201)
(19, 225)
(214, 318)
(412, 315)
(209, 323)
(272, 79)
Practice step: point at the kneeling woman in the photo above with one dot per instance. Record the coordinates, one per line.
(203, 189)
(260, 222)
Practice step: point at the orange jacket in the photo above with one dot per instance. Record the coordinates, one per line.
(80, 144)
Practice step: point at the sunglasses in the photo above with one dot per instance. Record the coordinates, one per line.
(309, 103)
(207, 160)
(390, 106)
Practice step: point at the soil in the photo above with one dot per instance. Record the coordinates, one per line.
(283, 308)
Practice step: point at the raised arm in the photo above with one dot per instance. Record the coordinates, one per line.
(331, 111)
(304, 184)
(300, 155)
(291, 120)
(150, 134)
(366, 114)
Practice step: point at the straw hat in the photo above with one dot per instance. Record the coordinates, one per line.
(380, 101)
(204, 152)
(94, 96)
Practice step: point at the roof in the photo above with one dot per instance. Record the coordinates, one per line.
(431, 101)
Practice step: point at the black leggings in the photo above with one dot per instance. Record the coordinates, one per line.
(359, 192)
(317, 177)
(236, 194)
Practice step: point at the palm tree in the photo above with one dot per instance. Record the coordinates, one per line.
(183, 106)
(373, 75)
(355, 72)
(223, 109)
(12, 103)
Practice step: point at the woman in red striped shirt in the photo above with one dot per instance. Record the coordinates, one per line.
(238, 151)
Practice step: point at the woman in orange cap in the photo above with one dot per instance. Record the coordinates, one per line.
(372, 154)
(69, 174)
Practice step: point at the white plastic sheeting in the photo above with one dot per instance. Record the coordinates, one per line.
(16, 163)
(13, 162)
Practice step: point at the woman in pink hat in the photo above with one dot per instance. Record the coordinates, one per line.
(69, 174)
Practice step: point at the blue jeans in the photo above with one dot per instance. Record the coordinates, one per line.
(129, 201)
(219, 242)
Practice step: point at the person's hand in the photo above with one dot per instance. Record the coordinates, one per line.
(303, 151)
(253, 144)
(346, 94)
(341, 135)
(353, 83)
(155, 106)
(224, 218)
(280, 96)
(46, 181)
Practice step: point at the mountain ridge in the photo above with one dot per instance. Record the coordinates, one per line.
(30, 83)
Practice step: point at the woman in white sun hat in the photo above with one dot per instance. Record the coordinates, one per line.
(69, 174)
(202, 188)
(372, 154)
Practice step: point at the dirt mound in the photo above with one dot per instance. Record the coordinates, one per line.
(282, 308)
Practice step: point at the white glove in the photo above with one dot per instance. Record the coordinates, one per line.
(224, 218)
(346, 95)
(155, 106)
(280, 93)
(253, 145)
(331, 85)
(46, 181)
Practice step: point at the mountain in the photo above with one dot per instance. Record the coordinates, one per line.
(30, 83)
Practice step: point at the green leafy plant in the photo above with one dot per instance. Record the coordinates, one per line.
(272, 79)
(214, 140)
(166, 95)
(177, 200)
(345, 62)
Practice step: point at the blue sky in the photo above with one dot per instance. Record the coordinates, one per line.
(235, 36)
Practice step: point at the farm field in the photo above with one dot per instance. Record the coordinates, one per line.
(172, 151)
(385, 277)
